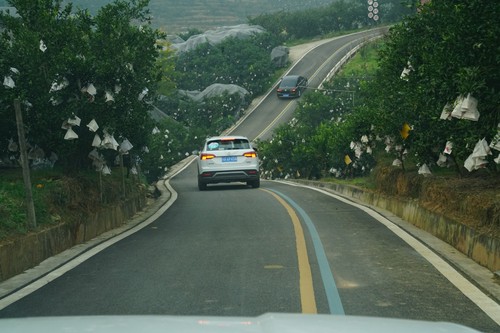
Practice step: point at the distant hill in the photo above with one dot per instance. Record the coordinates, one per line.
(180, 15)
(175, 15)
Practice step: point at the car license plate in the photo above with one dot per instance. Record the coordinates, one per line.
(229, 158)
(286, 95)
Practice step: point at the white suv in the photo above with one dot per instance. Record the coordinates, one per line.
(226, 159)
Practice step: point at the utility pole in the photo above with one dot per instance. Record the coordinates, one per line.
(30, 206)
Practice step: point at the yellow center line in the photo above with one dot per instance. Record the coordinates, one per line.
(307, 299)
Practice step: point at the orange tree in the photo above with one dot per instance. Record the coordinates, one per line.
(449, 49)
(445, 52)
(64, 64)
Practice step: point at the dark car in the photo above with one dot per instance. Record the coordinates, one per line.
(291, 86)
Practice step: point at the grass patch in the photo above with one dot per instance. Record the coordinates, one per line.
(13, 209)
(364, 62)
(58, 198)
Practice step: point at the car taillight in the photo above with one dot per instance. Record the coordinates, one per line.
(206, 156)
(250, 154)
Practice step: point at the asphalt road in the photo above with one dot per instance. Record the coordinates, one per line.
(237, 251)
(315, 65)
(233, 251)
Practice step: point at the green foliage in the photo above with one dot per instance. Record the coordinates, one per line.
(13, 203)
(246, 63)
(338, 16)
(210, 116)
(49, 45)
(169, 143)
(450, 54)
(165, 64)
(12, 210)
(59, 199)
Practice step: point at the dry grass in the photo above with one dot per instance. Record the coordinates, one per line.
(472, 200)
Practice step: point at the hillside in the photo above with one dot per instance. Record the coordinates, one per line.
(205, 14)
(175, 15)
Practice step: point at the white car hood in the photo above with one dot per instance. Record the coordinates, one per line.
(268, 323)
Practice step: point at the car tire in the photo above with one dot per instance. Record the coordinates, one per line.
(201, 185)
(254, 183)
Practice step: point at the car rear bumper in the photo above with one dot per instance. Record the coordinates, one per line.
(288, 95)
(213, 177)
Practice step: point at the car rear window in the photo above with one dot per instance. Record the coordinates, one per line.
(228, 144)
(288, 82)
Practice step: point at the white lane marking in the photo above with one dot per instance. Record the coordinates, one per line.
(485, 303)
(278, 117)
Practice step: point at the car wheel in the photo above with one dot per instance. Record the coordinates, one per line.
(254, 184)
(201, 186)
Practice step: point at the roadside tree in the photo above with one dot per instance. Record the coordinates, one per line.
(432, 60)
(66, 64)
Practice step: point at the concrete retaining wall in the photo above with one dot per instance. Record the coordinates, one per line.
(28, 251)
(481, 248)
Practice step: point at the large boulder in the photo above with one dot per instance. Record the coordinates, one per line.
(214, 90)
(217, 35)
(279, 56)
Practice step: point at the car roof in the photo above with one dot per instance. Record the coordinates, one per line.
(227, 137)
(290, 78)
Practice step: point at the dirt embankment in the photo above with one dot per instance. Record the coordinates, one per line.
(472, 200)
